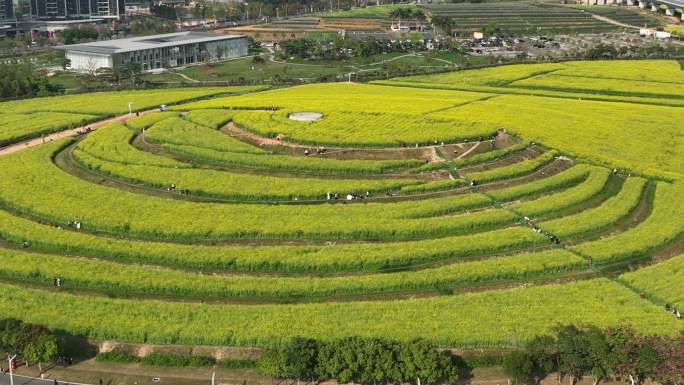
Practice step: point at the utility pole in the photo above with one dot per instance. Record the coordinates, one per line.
(10, 360)
(213, 376)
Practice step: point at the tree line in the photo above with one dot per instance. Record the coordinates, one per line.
(259, 9)
(32, 343)
(573, 352)
(360, 360)
(21, 80)
(617, 353)
(343, 48)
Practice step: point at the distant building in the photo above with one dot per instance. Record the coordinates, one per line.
(60, 9)
(47, 28)
(6, 9)
(137, 8)
(478, 35)
(171, 3)
(157, 51)
(647, 32)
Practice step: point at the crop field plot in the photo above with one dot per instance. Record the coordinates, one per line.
(16, 127)
(373, 12)
(518, 17)
(622, 14)
(26, 119)
(404, 209)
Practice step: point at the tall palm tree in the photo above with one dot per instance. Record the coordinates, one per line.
(419, 17)
(443, 24)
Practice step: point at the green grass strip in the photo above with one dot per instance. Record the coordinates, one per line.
(663, 226)
(135, 280)
(514, 170)
(567, 178)
(602, 217)
(662, 282)
(565, 199)
(513, 316)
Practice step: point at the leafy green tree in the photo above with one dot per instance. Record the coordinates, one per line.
(670, 369)
(300, 358)
(48, 347)
(574, 352)
(519, 366)
(442, 24)
(599, 354)
(272, 362)
(424, 364)
(544, 353)
(30, 352)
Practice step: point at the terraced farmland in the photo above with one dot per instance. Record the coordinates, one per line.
(623, 15)
(515, 17)
(518, 17)
(395, 214)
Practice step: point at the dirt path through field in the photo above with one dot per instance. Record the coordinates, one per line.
(471, 149)
(435, 157)
(614, 22)
(258, 140)
(65, 134)
(186, 77)
(430, 153)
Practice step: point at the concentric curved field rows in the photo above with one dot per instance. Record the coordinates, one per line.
(402, 213)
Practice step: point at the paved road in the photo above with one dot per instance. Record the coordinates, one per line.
(23, 380)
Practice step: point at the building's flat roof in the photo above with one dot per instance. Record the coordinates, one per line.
(146, 42)
(74, 21)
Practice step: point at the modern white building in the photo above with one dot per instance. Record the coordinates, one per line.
(156, 51)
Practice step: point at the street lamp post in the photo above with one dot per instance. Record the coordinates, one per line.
(10, 360)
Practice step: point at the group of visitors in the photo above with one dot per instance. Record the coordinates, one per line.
(319, 151)
(349, 197)
(83, 131)
(554, 239)
(673, 310)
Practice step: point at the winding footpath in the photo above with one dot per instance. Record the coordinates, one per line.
(67, 133)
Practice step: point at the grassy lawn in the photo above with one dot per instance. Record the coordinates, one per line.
(354, 61)
(71, 80)
(245, 69)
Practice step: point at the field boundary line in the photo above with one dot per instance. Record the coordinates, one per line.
(482, 99)
(612, 21)
(65, 134)
(471, 149)
(504, 91)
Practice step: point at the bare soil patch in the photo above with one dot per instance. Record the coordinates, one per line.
(305, 116)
